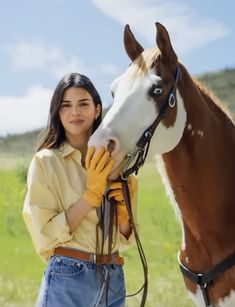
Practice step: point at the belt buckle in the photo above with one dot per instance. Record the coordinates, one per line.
(94, 258)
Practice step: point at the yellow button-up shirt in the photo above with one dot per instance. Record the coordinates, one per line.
(56, 179)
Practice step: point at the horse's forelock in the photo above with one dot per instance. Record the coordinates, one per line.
(144, 62)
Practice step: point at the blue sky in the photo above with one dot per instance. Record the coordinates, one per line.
(43, 40)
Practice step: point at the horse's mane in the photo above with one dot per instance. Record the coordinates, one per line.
(213, 100)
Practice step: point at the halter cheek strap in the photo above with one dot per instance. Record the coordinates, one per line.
(142, 146)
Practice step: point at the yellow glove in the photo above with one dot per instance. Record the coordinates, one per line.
(98, 167)
(115, 191)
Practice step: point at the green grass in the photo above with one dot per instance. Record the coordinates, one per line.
(21, 269)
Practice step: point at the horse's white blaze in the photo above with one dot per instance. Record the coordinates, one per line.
(170, 193)
(197, 298)
(132, 111)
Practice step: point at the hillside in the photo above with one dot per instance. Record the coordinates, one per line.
(19, 144)
(221, 82)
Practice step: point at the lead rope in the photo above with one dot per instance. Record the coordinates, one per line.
(138, 243)
(104, 285)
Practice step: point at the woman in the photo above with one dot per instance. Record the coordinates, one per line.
(64, 205)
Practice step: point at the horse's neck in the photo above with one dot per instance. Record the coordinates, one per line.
(201, 170)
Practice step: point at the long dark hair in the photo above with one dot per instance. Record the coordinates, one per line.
(55, 134)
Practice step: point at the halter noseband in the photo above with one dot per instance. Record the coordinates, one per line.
(141, 148)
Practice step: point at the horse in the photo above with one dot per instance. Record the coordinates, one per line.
(194, 142)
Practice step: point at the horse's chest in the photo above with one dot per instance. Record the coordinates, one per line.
(197, 298)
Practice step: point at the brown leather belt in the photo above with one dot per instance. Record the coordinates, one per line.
(98, 259)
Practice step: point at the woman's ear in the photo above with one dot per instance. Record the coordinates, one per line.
(97, 110)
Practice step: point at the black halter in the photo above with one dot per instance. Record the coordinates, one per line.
(141, 148)
(204, 279)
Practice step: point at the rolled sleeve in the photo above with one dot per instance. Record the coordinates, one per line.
(47, 227)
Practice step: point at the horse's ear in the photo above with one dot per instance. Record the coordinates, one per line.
(164, 43)
(133, 48)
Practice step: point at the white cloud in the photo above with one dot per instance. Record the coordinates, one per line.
(187, 30)
(24, 113)
(37, 55)
(31, 55)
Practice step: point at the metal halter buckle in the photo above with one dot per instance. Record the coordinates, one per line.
(172, 100)
(130, 158)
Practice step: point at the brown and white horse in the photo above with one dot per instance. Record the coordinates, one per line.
(195, 148)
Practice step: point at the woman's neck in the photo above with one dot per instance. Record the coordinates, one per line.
(79, 143)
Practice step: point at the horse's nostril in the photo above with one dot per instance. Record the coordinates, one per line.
(111, 146)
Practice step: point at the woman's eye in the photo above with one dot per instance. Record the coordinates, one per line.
(65, 105)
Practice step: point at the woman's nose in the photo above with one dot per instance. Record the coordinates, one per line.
(75, 112)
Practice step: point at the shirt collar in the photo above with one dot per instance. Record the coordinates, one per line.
(66, 149)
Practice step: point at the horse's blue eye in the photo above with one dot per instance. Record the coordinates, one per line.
(157, 91)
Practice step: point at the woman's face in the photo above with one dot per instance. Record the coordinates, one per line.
(78, 112)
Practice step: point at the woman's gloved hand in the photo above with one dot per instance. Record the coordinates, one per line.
(98, 165)
(115, 191)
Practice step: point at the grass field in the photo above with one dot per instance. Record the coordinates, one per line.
(21, 269)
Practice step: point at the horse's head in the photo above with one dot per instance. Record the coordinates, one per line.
(138, 95)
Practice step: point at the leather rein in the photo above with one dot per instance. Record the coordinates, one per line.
(138, 156)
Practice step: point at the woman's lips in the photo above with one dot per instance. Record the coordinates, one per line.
(76, 122)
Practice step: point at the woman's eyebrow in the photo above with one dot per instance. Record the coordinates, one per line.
(83, 99)
(79, 100)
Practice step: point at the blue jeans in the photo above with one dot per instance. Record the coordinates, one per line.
(69, 282)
